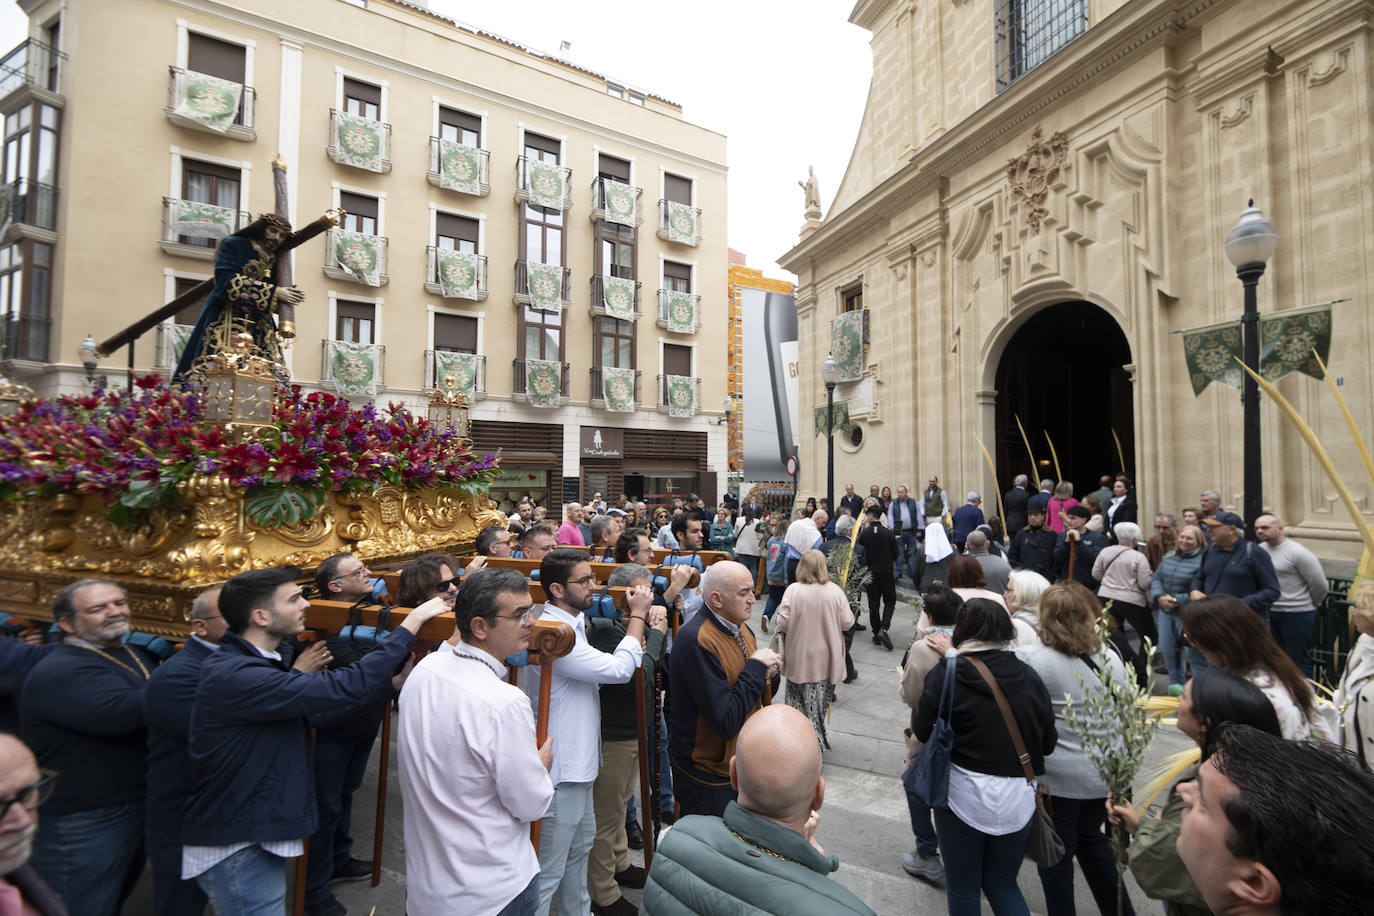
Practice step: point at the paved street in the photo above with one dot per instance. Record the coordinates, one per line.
(864, 821)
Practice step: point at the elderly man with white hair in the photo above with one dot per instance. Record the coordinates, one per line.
(1125, 575)
(966, 518)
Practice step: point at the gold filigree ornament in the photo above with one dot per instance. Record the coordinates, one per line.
(240, 388)
(1033, 172)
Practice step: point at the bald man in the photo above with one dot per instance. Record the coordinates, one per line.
(762, 854)
(24, 788)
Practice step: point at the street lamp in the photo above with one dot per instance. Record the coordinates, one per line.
(830, 374)
(1249, 247)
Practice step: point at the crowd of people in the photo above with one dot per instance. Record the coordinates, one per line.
(218, 764)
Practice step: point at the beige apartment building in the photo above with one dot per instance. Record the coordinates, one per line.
(1039, 197)
(551, 237)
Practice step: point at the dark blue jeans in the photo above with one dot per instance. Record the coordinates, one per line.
(975, 861)
(775, 593)
(906, 555)
(1079, 824)
(526, 903)
(1293, 631)
(171, 895)
(339, 769)
(91, 859)
(927, 844)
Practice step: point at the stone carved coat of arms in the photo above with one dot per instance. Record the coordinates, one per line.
(1032, 173)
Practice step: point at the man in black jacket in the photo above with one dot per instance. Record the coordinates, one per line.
(1080, 543)
(1014, 504)
(880, 549)
(1033, 546)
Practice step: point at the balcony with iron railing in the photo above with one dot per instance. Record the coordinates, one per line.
(32, 210)
(679, 223)
(457, 285)
(479, 377)
(200, 102)
(356, 256)
(523, 294)
(32, 65)
(597, 390)
(359, 142)
(464, 170)
(598, 307)
(663, 393)
(194, 230)
(557, 193)
(669, 303)
(625, 205)
(25, 337)
(518, 365)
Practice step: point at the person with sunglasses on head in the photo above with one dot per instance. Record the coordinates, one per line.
(23, 788)
(569, 826)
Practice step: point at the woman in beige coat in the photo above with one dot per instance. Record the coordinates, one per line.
(1355, 697)
(812, 617)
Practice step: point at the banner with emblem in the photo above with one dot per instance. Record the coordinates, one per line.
(546, 285)
(681, 312)
(1211, 354)
(458, 272)
(360, 142)
(620, 202)
(544, 181)
(543, 382)
(462, 366)
(207, 99)
(360, 255)
(618, 388)
(838, 419)
(682, 223)
(353, 368)
(847, 344)
(460, 167)
(682, 396)
(618, 297)
(1288, 338)
(200, 220)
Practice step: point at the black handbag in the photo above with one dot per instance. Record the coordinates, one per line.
(928, 775)
(1044, 848)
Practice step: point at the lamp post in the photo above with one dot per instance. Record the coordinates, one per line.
(1249, 247)
(830, 374)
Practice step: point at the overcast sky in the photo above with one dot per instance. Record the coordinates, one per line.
(784, 80)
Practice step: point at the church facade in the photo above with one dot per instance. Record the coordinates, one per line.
(1038, 199)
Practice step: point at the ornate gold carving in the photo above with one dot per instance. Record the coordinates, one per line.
(1032, 173)
(59, 522)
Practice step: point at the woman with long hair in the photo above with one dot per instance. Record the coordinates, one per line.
(983, 832)
(1211, 699)
(886, 497)
(1122, 508)
(427, 577)
(1062, 501)
(813, 617)
(776, 571)
(1070, 659)
(1234, 638)
(1125, 576)
(1094, 505)
(966, 577)
(1355, 695)
(1022, 596)
(748, 545)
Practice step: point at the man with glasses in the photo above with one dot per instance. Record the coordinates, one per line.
(537, 541)
(23, 787)
(82, 714)
(471, 777)
(575, 724)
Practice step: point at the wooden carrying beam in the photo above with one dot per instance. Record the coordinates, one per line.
(602, 571)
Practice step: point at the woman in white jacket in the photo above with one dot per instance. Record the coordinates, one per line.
(1354, 698)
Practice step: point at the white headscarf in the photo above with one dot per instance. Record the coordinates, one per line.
(937, 543)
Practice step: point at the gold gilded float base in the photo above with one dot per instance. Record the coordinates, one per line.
(205, 538)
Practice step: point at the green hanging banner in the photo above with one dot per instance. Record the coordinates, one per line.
(1288, 338)
(1211, 353)
(840, 418)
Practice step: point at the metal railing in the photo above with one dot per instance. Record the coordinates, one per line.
(32, 63)
(483, 169)
(1331, 636)
(1029, 32)
(663, 299)
(663, 392)
(597, 393)
(433, 285)
(479, 380)
(522, 189)
(599, 298)
(33, 203)
(236, 220)
(522, 285)
(25, 337)
(668, 233)
(355, 157)
(335, 270)
(179, 82)
(518, 365)
(599, 200)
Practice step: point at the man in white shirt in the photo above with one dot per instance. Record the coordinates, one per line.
(569, 827)
(1302, 586)
(471, 777)
(802, 535)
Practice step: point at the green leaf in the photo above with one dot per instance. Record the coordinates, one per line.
(273, 505)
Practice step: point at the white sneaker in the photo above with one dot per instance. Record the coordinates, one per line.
(927, 869)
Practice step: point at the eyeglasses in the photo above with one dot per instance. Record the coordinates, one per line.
(528, 615)
(445, 584)
(585, 580)
(32, 795)
(360, 572)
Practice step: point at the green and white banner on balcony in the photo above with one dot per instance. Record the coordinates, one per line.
(543, 382)
(176, 337)
(545, 283)
(207, 99)
(618, 297)
(620, 202)
(360, 142)
(461, 366)
(681, 310)
(682, 223)
(847, 344)
(682, 396)
(618, 388)
(360, 255)
(201, 221)
(544, 181)
(354, 368)
(460, 167)
(458, 272)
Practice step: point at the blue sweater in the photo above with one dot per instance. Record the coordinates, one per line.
(167, 707)
(252, 766)
(1244, 570)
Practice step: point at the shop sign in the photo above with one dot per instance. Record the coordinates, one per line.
(519, 477)
(603, 442)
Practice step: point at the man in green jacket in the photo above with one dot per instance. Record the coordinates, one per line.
(761, 857)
